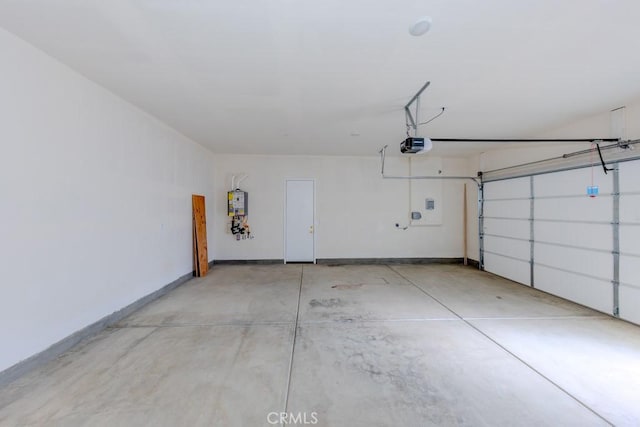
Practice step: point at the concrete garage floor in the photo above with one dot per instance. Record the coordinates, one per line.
(401, 345)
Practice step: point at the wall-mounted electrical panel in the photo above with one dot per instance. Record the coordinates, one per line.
(238, 203)
(426, 195)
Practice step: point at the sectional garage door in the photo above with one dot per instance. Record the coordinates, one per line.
(630, 241)
(544, 231)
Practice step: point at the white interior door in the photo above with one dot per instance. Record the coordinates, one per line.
(299, 221)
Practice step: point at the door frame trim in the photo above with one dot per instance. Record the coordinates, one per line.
(284, 224)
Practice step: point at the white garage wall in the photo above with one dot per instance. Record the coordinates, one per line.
(356, 209)
(95, 201)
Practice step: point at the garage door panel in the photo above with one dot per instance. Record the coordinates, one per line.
(595, 236)
(629, 289)
(598, 264)
(509, 247)
(508, 199)
(594, 293)
(630, 270)
(516, 229)
(629, 176)
(630, 239)
(574, 209)
(630, 208)
(570, 183)
(508, 208)
(630, 303)
(508, 189)
(518, 271)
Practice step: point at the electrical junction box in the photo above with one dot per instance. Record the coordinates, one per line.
(238, 203)
(429, 204)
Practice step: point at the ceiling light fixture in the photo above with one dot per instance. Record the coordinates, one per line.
(421, 26)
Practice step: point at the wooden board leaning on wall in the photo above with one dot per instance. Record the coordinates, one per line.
(200, 255)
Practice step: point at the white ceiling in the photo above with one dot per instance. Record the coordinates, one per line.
(332, 76)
